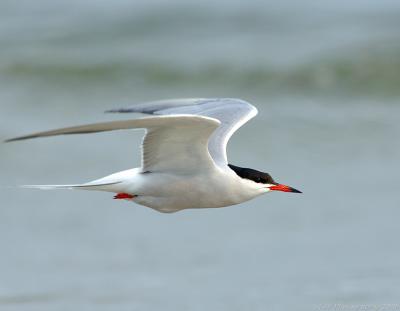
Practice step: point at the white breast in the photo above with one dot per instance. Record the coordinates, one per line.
(170, 193)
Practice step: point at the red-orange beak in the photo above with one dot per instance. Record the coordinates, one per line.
(284, 188)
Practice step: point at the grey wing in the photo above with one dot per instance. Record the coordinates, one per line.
(172, 143)
(231, 112)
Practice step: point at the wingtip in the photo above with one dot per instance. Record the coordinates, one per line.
(10, 140)
(117, 110)
(19, 138)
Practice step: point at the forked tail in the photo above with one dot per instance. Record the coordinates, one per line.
(86, 186)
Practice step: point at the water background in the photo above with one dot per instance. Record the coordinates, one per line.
(325, 77)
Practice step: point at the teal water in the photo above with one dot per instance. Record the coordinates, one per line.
(325, 78)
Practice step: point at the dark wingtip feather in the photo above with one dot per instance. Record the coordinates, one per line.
(19, 138)
(12, 139)
(118, 110)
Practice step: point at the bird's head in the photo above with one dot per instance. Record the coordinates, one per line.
(262, 182)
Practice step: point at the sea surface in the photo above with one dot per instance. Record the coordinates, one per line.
(325, 77)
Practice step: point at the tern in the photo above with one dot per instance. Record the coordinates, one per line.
(184, 161)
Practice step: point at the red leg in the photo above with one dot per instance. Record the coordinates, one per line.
(124, 196)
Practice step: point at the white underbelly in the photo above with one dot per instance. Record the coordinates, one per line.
(183, 201)
(168, 193)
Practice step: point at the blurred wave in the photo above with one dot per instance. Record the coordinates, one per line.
(369, 73)
(331, 48)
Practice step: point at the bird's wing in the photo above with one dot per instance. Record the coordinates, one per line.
(232, 113)
(172, 143)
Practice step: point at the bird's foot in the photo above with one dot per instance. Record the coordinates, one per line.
(125, 196)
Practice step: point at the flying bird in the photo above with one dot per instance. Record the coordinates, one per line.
(184, 161)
